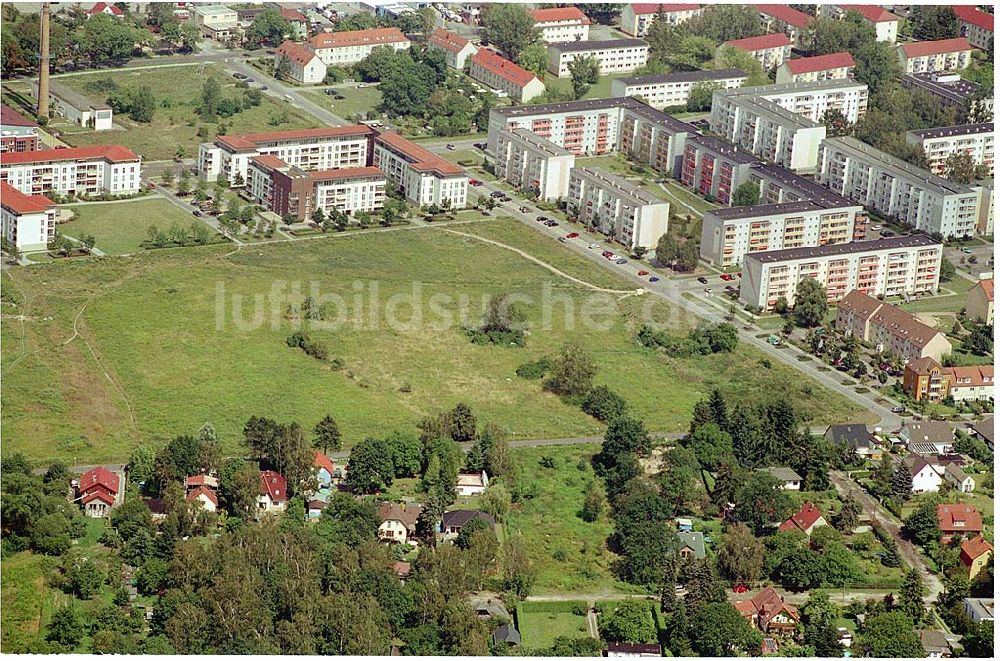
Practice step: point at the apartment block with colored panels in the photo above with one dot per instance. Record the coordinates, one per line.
(612, 55)
(638, 16)
(616, 207)
(975, 25)
(898, 189)
(934, 56)
(501, 74)
(890, 329)
(424, 178)
(770, 50)
(888, 267)
(308, 149)
(673, 89)
(28, 221)
(938, 144)
(342, 48)
(75, 171)
(533, 164)
(835, 66)
(561, 24)
(714, 168)
(727, 234)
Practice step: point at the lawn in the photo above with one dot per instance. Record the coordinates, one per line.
(28, 602)
(540, 629)
(166, 341)
(120, 227)
(363, 100)
(599, 90)
(177, 90)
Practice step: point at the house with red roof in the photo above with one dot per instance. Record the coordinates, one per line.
(456, 48)
(835, 66)
(99, 491)
(339, 49)
(203, 496)
(28, 221)
(958, 520)
(328, 472)
(489, 67)
(807, 519)
(885, 23)
(979, 302)
(933, 56)
(105, 8)
(560, 24)
(783, 17)
(17, 132)
(304, 66)
(970, 383)
(975, 555)
(298, 22)
(638, 16)
(76, 171)
(771, 50)
(273, 496)
(768, 612)
(975, 25)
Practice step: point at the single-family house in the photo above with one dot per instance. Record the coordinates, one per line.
(195, 481)
(983, 430)
(935, 644)
(979, 302)
(926, 476)
(692, 545)
(99, 491)
(928, 437)
(790, 480)
(456, 48)
(203, 496)
(807, 519)
(324, 470)
(959, 479)
(398, 522)
(506, 635)
(453, 522)
(105, 8)
(401, 569)
(619, 649)
(975, 555)
(487, 607)
(978, 609)
(768, 612)
(958, 520)
(315, 506)
(273, 496)
(684, 525)
(472, 484)
(856, 438)
(304, 66)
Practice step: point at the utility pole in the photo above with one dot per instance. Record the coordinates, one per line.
(43, 62)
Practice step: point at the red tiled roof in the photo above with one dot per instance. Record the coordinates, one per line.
(873, 13)
(98, 494)
(977, 375)
(987, 287)
(804, 519)
(101, 6)
(784, 13)
(655, 8)
(321, 460)
(110, 153)
(501, 66)
(959, 518)
(448, 40)
(970, 14)
(293, 15)
(19, 203)
(296, 52)
(402, 569)
(775, 40)
(346, 173)
(559, 14)
(820, 63)
(973, 548)
(921, 48)
(98, 477)
(766, 604)
(357, 38)
(269, 161)
(249, 141)
(203, 491)
(11, 117)
(421, 159)
(274, 485)
(201, 480)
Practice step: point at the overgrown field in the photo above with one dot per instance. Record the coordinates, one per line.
(120, 227)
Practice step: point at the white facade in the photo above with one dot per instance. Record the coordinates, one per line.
(501, 74)
(424, 178)
(212, 16)
(343, 48)
(77, 171)
(976, 26)
(533, 164)
(934, 56)
(562, 24)
(28, 221)
(613, 56)
(637, 17)
(926, 479)
(673, 89)
(898, 189)
(71, 105)
(306, 67)
(885, 24)
(835, 66)
(938, 144)
(616, 208)
(457, 49)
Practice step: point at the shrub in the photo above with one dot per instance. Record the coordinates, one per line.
(535, 369)
(603, 403)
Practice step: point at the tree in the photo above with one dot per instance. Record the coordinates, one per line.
(761, 502)
(625, 437)
(211, 97)
(810, 303)
(629, 622)
(911, 595)
(603, 403)
(922, 526)
(847, 519)
(268, 29)
(933, 22)
(828, 35)
(326, 435)
(66, 627)
(700, 98)
(746, 194)
(717, 629)
(283, 67)
(836, 123)
(535, 58)
(979, 341)
(960, 166)
(406, 452)
(106, 40)
(889, 635)
(877, 65)
(741, 557)
(510, 28)
(901, 487)
(496, 501)
(370, 467)
(584, 72)
(711, 445)
(572, 372)
(593, 502)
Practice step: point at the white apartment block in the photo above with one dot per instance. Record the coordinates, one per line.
(456, 48)
(938, 144)
(28, 221)
(214, 16)
(76, 171)
(885, 23)
(306, 67)
(975, 25)
(770, 50)
(613, 55)
(562, 24)
(934, 56)
(714, 168)
(501, 74)
(343, 48)
(423, 177)
(637, 17)
(616, 207)
(673, 89)
(727, 234)
(898, 189)
(811, 99)
(533, 164)
(835, 66)
(309, 149)
(886, 267)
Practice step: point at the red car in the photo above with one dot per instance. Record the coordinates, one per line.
(643, 272)
(475, 182)
(606, 254)
(739, 588)
(572, 235)
(727, 277)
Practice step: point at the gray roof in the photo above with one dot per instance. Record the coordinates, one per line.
(956, 472)
(694, 541)
(985, 428)
(934, 641)
(930, 431)
(74, 98)
(921, 448)
(854, 435)
(757, 210)
(584, 105)
(506, 633)
(765, 91)
(950, 131)
(604, 44)
(458, 518)
(623, 188)
(783, 473)
(536, 141)
(730, 151)
(803, 187)
(790, 254)
(956, 92)
(685, 77)
(982, 608)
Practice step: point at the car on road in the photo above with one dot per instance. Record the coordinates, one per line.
(562, 239)
(239, 76)
(621, 260)
(967, 251)
(643, 273)
(480, 145)
(450, 147)
(654, 279)
(263, 88)
(496, 193)
(196, 213)
(730, 288)
(591, 246)
(727, 277)
(898, 409)
(607, 254)
(541, 219)
(703, 280)
(524, 209)
(475, 183)
(572, 235)
(551, 223)
(708, 290)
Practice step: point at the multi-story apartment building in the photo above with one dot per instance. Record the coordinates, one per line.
(637, 17)
(342, 48)
(309, 149)
(938, 144)
(810, 99)
(291, 191)
(887, 267)
(617, 208)
(979, 302)
(456, 48)
(727, 234)
(305, 67)
(75, 171)
(933, 56)
(17, 133)
(898, 189)
(673, 89)
(835, 66)
(975, 25)
(501, 74)
(971, 383)
(714, 168)
(28, 221)
(532, 164)
(423, 177)
(885, 23)
(925, 379)
(952, 90)
(889, 329)
(561, 24)
(778, 17)
(612, 55)
(770, 50)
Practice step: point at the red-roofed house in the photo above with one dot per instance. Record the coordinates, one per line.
(99, 490)
(931, 56)
(299, 23)
(777, 17)
(885, 23)
(561, 24)
(975, 25)
(17, 133)
(958, 520)
(291, 191)
(768, 612)
(78, 171)
(637, 17)
(327, 471)
(105, 8)
(501, 74)
(29, 221)
(979, 302)
(975, 555)
(341, 48)
(273, 495)
(770, 50)
(205, 496)
(304, 65)
(974, 382)
(807, 519)
(835, 66)
(456, 48)
(423, 177)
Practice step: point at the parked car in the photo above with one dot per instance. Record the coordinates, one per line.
(450, 147)
(572, 235)
(967, 251)
(654, 279)
(562, 239)
(621, 261)
(885, 233)
(898, 409)
(541, 219)
(606, 254)
(591, 246)
(727, 277)
(524, 209)
(475, 183)
(703, 280)
(196, 213)
(551, 223)
(708, 290)
(643, 273)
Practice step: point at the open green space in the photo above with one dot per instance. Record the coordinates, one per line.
(540, 623)
(599, 90)
(355, 100)
(120, 227)
(28, 601)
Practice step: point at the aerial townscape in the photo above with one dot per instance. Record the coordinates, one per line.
(497, 329)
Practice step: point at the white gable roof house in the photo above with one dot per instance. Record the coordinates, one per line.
(472, 484)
